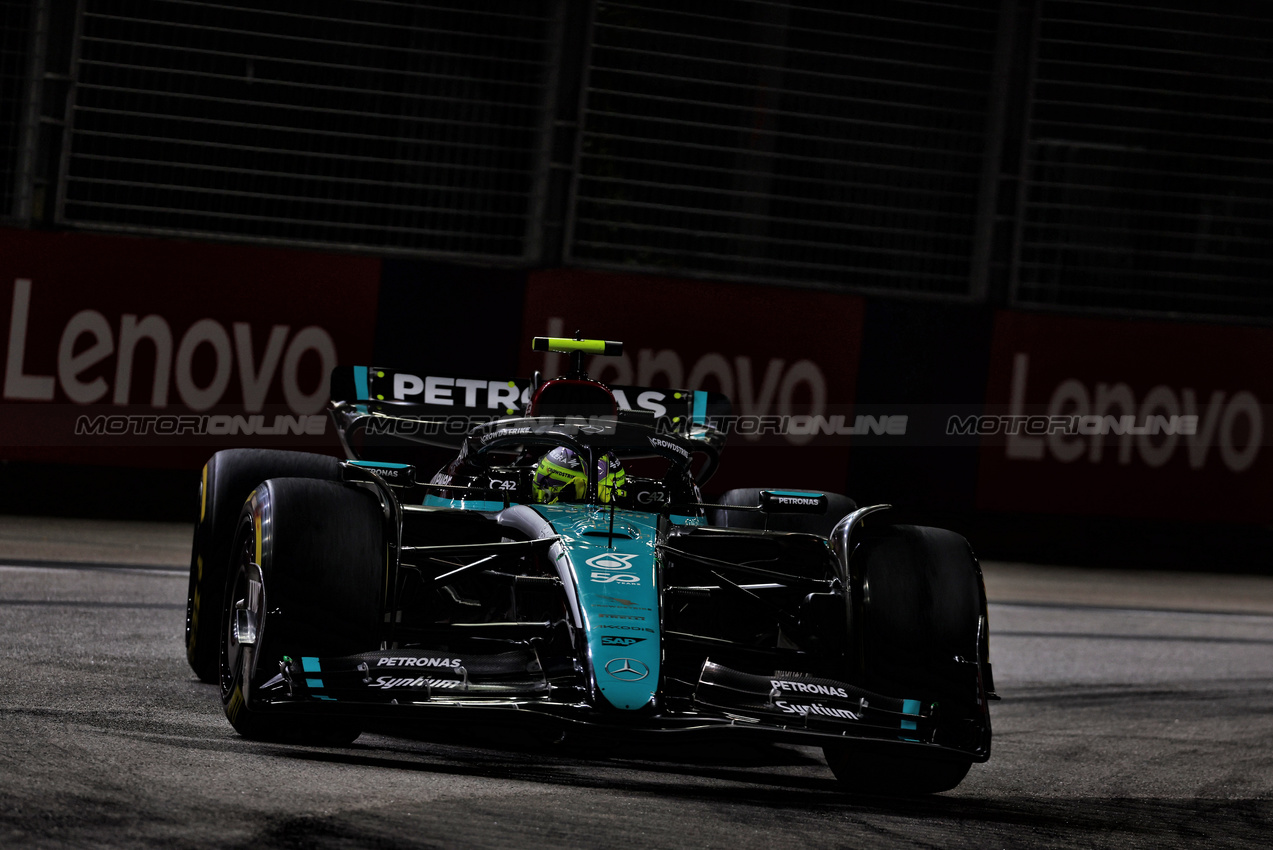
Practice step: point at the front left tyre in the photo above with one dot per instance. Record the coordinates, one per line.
(923, 634)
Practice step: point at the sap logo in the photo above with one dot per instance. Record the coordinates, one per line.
(1234, 424)
(614, 640)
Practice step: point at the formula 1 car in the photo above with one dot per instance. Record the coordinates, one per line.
(564, 570)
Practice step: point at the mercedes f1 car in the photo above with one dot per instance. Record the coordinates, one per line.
(563, 569)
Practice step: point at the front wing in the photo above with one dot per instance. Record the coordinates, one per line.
(515, 687)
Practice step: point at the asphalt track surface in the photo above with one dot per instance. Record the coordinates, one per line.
(1137, 712)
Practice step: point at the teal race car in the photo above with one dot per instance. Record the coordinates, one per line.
(562, 570)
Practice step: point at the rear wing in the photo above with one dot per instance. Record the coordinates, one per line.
(374, 391)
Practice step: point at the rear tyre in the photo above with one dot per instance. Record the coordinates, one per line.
(228, 477)
(922, 603)
(838, 507)
(315, 592)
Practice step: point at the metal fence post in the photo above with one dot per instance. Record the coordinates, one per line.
(68, 124)
(537, 208)
(992, 164)
(1023, 161)
(24, 176)
(572, 195)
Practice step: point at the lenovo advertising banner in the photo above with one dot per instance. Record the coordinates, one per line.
(1130, 419)
(148, 352)
(787, 359)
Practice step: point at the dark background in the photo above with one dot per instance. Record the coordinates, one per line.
(943, 164)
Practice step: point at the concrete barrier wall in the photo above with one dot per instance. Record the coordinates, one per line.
(1146, 425)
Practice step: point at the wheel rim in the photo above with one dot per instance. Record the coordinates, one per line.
(245, 592)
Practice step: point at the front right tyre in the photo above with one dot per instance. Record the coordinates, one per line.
(306, 580)
(228, 477)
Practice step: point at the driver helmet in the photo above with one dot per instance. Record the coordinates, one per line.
(560, 477)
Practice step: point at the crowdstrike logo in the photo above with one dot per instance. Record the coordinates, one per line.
(668, 444)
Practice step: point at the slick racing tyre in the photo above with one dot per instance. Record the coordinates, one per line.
(922, 604)
(228, 477)
(838, 507)
(308, 569)
(875, 773)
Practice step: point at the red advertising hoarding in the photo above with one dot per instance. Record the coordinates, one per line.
(152, 352)
(1135, 419)
(773, 351)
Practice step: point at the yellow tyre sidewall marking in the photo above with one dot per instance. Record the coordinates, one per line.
(203, 495)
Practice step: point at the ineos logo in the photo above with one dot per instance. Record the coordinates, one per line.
(610, 561)
(612, 567)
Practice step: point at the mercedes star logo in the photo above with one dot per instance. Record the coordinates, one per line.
(627, 669)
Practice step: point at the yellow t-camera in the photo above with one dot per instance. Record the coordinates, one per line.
(561, 345)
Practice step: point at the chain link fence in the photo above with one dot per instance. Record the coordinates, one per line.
(15, 87)
(852, 146)
(1149, 173)
(367, 124)
(839, 145)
